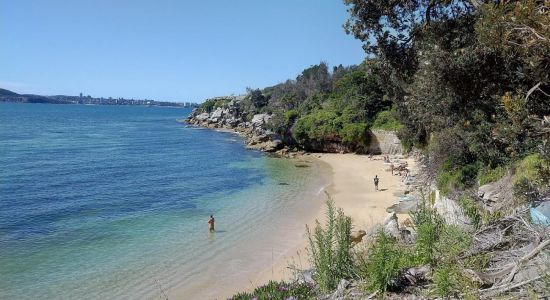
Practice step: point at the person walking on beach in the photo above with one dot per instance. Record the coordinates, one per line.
(376, 179)
(211, 223)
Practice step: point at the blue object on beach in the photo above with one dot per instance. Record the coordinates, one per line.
(540, 215)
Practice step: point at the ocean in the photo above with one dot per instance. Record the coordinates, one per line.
(112, 202)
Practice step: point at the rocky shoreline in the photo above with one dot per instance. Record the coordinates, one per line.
(230, 118)
(254, 127)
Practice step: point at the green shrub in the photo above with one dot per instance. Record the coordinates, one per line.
(428, 226)
(319, 125)
(470, 210)
(531, 177)
(468, 174)
(448, 278)
(291, 116)
(330, 248)
(383, 263)
(211, 104)
(531, 168)
(487, 175)
(386, 120)
(459, 178)
(450, 282)
(278, 290)
(354, 133)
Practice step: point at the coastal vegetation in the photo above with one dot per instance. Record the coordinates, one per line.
(465, 84)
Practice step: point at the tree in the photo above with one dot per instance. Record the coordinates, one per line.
(258, 99)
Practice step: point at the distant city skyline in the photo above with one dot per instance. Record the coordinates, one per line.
(166, 50)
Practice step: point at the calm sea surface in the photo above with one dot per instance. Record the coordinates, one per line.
(111, 202)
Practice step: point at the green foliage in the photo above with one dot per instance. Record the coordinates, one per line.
(449, 180)
(440, 245)
(257, 98)
(326, 125)
(290, 116)
(487, 175)
(470, 210)
(353, 133)
(319, 125)
(330, 248)
(386, 120)
(211, 104)
(278, 290)
(383, 263)
(531, 177)
(428, 227)
(530, 168)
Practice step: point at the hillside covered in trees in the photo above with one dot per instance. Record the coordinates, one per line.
(465, 83)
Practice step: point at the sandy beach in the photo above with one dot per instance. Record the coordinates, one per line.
(352, 189)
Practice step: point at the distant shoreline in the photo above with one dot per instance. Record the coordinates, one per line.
(12, 97)
(86, 104)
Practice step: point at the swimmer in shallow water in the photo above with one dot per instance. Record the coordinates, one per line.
(211, 223)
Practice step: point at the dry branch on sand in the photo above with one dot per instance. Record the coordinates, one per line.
(519, 255)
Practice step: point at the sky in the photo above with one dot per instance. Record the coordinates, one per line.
(167, 50)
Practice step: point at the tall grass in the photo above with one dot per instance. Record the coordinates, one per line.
(330, 248)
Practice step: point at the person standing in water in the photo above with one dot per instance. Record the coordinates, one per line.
(211, 223)
(376, 179)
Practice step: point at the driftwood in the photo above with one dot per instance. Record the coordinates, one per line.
(517, 255)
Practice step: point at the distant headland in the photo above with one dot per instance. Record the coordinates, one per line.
(9, 96)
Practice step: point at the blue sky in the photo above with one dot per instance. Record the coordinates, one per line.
(166, 50)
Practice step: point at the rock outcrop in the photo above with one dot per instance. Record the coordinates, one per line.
(497, 195)
(230, 113)
(384, 142)
(231, 116)
(451, 212)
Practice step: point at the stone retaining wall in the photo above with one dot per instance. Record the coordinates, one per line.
(384, 142)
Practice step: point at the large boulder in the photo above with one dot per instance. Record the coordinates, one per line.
(497, 195)
(451, 212)
(267, 146)
(216, 115)
(260, 119)
(202, 117)
(391, 226)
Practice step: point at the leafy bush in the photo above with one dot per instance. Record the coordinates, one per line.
(278, 290)
(428, 227)
(531, 177)
(319, 125)
(532, 168)
(385, 259)
(456, 179)
(291, 116)
(470, 210)
(354, 133)
(386, 120)
(211, 104)
(487, 175)
(330, 247)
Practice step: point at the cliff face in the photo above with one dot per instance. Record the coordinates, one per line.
(384, 142)
(231, 115)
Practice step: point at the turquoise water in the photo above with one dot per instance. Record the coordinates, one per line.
(111, 202)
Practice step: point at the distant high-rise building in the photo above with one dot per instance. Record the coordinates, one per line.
(80, 95)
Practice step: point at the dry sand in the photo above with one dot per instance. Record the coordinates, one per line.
(352, 189)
